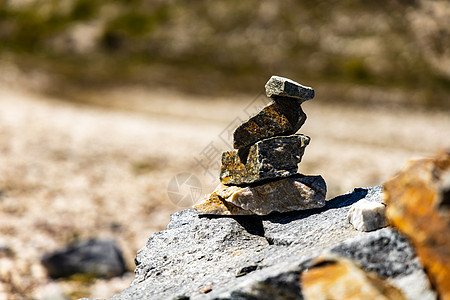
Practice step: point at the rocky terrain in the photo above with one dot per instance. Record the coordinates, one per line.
(71, 171)
(312, 254)
(207, 257)
(267, 233)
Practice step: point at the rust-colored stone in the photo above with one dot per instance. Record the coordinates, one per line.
(418, 204)
(335, 278)
(214, 205)
(267, 159)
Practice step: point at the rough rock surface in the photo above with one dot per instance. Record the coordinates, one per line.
(99, 258)
(367, 216)
(283, 87)
(254, 257)
(334, 278)
(267, 159)
(283, 116)
(418, 204)
(298, 192)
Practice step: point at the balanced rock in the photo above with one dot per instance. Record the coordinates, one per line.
(418, 204)
(267, 159)
(298, 192)
(367, 215)
(283, 87)
(331, 277)
(282, 116)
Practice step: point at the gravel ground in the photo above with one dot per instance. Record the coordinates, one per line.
(101, 167)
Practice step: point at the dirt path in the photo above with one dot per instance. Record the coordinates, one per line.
(72, 171)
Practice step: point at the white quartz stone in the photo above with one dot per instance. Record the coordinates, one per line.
(367, 215)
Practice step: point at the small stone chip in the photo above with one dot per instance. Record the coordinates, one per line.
(271, 158)
(283, 87)
(367, 215)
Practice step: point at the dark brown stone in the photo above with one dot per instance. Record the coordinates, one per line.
(283, 116)
(267, 159)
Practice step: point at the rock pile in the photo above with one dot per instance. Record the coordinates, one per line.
(260, 176)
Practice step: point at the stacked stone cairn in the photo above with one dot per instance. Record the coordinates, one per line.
(260, 176)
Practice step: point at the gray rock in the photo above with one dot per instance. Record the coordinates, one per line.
(283, 87)
(253, 257)
(282, 116)
(99, 258)
(389, 254)
(270, 158)
(367, 215)
(385, 252)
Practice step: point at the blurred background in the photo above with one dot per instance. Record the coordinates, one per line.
(103, 103)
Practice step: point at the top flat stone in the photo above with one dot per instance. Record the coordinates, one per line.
(283, 87)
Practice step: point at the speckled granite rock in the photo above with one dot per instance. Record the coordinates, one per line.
(267, 159)
(283, 87)
(283, 116)
(298, 192)
(254, 257)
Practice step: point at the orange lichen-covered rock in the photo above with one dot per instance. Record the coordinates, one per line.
(335, 278)
(418, 204)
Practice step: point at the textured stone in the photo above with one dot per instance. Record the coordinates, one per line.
(289, 194)
(283, 87)
(418, 204)
(254, 257)
(367, 215)
(94, 257)
(267, 159)
(213, 204)
(335, 278)
(385, 252)
(282, 116)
